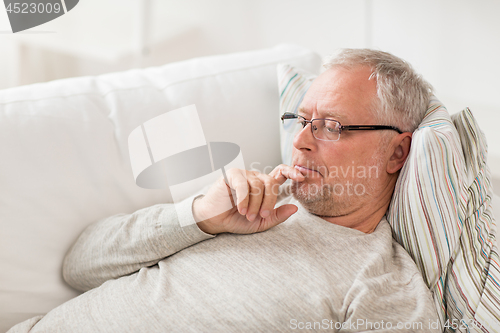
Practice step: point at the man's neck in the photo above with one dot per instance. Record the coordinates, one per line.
(367, 217)
(362, 222)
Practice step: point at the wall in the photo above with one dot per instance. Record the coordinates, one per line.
(454, 44)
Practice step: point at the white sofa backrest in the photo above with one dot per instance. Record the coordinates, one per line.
(65, 162)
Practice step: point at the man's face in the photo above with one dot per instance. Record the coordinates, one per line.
(341, 176)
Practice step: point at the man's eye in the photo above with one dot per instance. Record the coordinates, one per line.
(330, 129)
(302, 122)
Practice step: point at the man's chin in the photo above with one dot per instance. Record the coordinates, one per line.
(307, 193)
(319, 200)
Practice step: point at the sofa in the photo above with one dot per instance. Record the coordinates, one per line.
(65, 161)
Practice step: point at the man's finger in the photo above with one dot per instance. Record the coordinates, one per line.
(283, 172)
(257, 189)
(238, 182)
(271, 191)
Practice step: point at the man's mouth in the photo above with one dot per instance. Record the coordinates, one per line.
(307, 172)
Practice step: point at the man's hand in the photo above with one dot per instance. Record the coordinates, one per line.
(255, 196)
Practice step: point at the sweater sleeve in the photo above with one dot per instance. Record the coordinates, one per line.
(123, 244)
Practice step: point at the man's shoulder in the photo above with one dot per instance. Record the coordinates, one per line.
(391, 250)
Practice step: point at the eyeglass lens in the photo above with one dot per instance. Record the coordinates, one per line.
(322, 129)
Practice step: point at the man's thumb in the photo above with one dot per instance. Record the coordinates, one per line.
(282, 213)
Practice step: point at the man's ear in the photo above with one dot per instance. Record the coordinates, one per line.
(401, 144)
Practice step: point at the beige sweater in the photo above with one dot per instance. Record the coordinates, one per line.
(146, 273)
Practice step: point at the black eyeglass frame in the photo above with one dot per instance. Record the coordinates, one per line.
(290, 115)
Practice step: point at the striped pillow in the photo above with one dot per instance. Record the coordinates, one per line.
(473, 289)
(424, 212)
(293, 85)
(441, 214)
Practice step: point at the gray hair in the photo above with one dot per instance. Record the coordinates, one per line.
(403, 95)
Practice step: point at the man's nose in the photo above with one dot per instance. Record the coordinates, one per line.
(304, 139)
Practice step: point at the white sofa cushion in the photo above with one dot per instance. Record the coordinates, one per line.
(65, 161)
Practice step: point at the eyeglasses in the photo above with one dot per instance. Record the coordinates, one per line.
(326, 129)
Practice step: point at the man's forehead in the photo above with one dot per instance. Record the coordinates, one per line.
(307, 112)
(340, 94)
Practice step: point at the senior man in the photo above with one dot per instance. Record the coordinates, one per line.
(316, 257)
